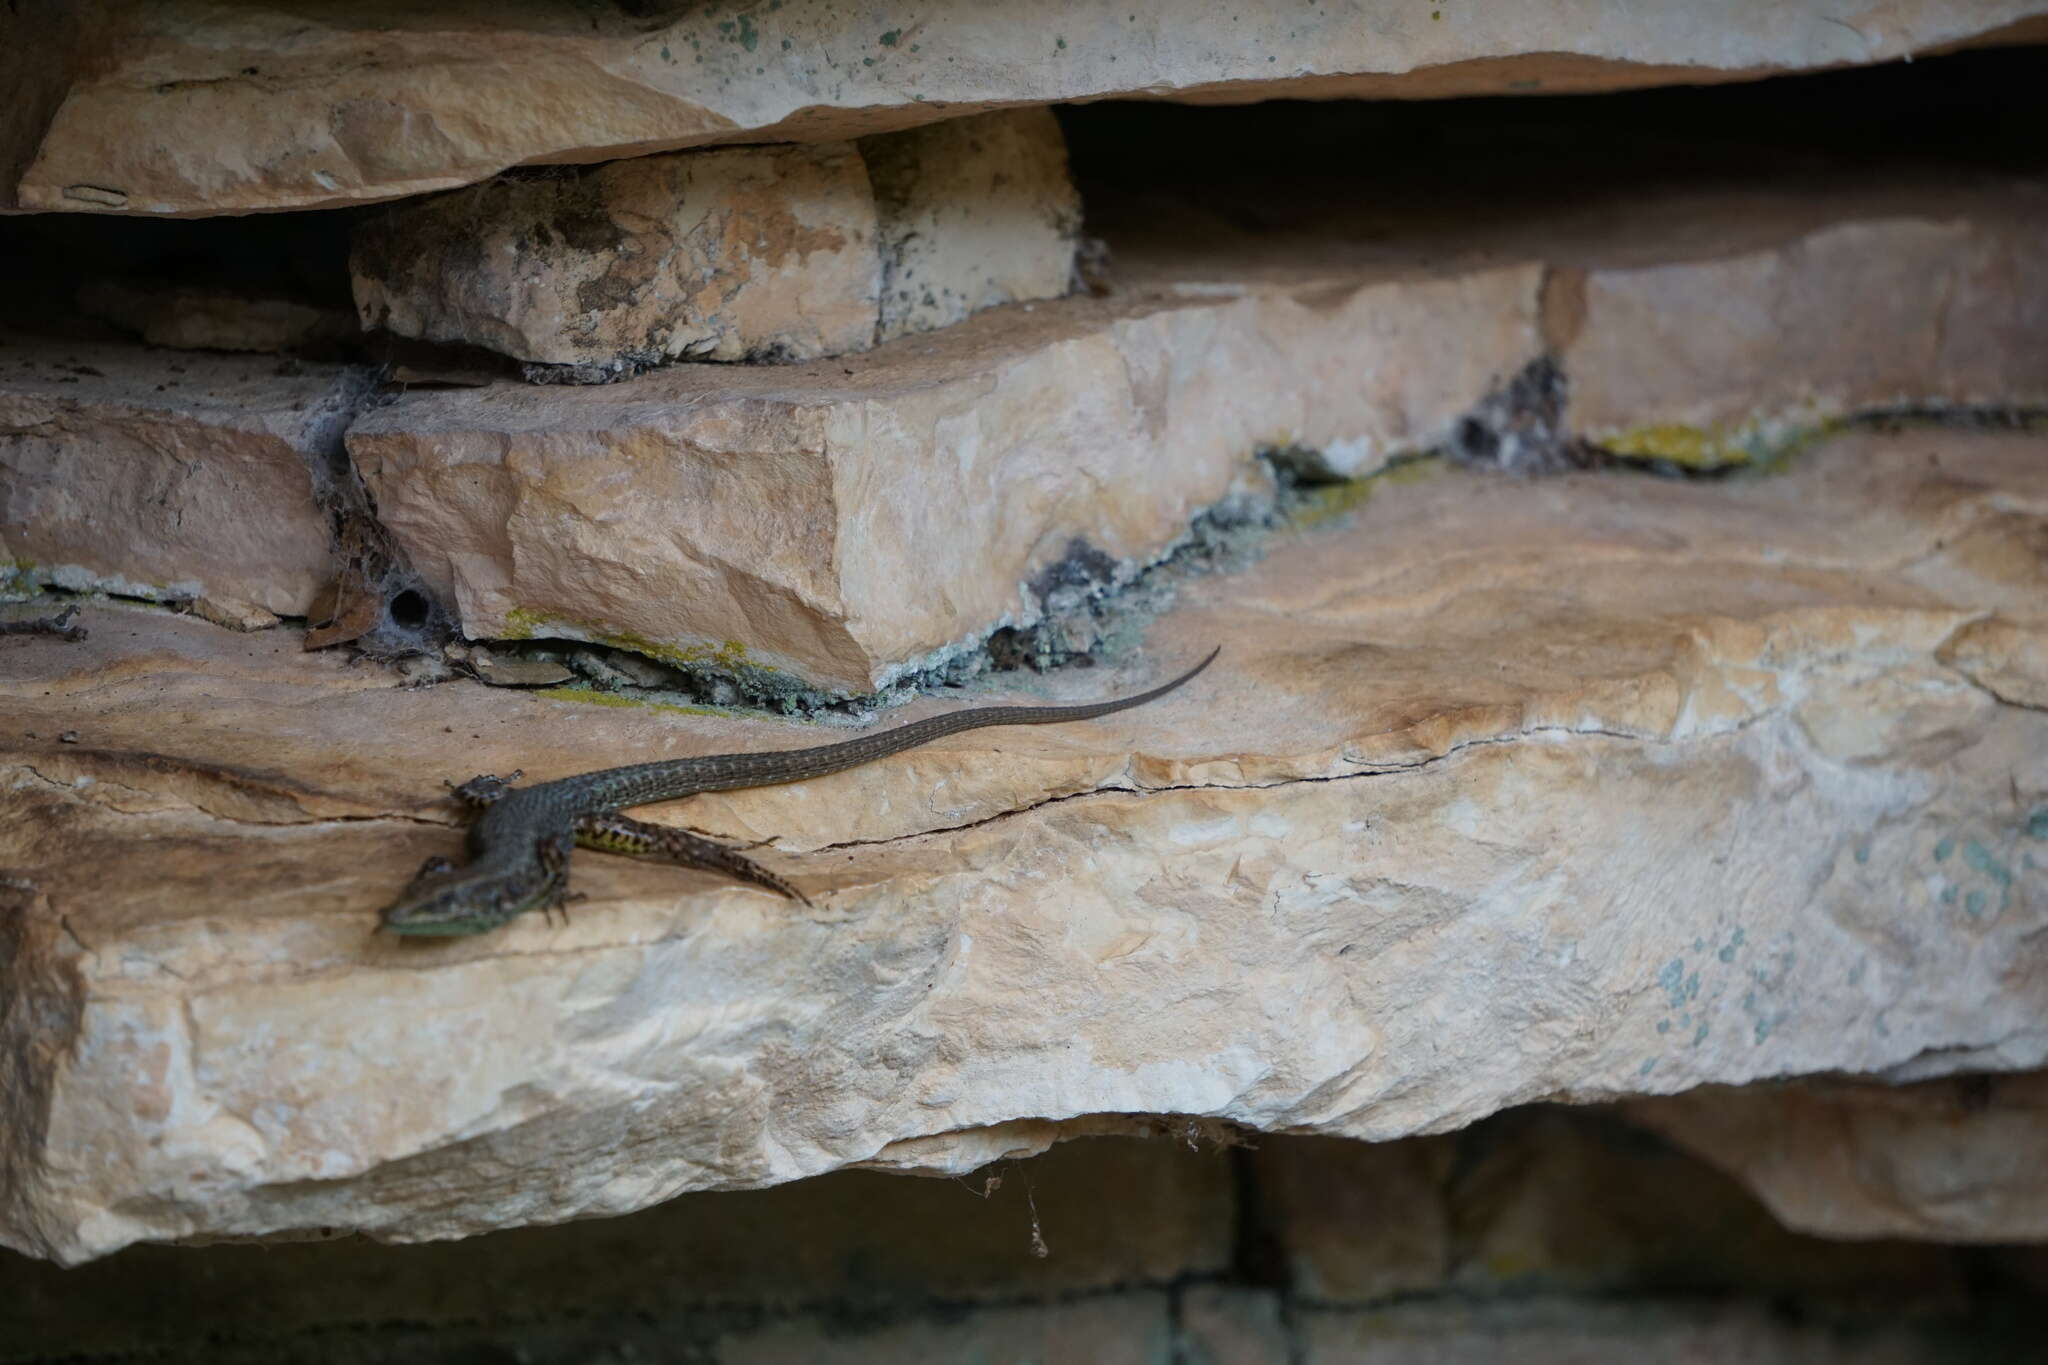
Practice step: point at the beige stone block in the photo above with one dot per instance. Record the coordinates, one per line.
(2007, 659)
(845, 520)
(1573, 1331)
(196, 318)
(1498, 792)
(870, 513)
(1221, 1325)
(1713, 360)
(187, 107)
(1118, 1329)
(1553, 1200)
(971, 213)
(746, 253)
(1950, 1160)
(188, 477)
(1359, 1221)
(1107, 1213)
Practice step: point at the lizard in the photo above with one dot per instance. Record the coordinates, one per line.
(519, 846)
(58, 625)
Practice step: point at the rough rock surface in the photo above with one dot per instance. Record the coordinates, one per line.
(1710, 361)
(189, 108)
(1110, 1213)
(1549, 1202)
(189, 477)
(1569, 1332)
(1598, 787)
(845, 520)
(1115, 1329)
(972, 213)
(751, 252)
(1947, 1160)
(198, 318)
(760, 253)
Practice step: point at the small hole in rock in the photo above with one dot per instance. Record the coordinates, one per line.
(1475, 441)
(408, 609)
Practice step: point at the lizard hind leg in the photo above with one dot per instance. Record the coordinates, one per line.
(615, 833)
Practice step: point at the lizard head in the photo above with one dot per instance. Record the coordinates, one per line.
(445, 900)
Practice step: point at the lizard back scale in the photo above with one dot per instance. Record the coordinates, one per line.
(519, 847)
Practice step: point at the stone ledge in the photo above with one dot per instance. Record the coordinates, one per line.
(1591, 788)
(733, 254)
(184, 112)
(1559, 1331)
(844, 519)
(1549, 1202)
(1110, 1214)
(1949, 1160)
(848, 522)
(775, 253)
(172, 476)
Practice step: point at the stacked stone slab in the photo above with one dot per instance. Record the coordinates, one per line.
(851, 520)
(843, 522)
(1601, 788)
(166, 107)
(1596, 788)
(759, 253)
(846, 523)
(193, 478)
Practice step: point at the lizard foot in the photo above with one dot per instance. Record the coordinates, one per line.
(553, 853)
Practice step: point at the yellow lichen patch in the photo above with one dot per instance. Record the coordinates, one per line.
(1756, 444)
(1692, 447)
(597, 698)
(521, 624)
(1331, 501)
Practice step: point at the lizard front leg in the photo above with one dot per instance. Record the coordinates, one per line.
(552, 851)
(615, 833)
(486, 788)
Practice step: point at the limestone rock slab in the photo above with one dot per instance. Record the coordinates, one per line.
(198, 318)
(722, 255)
(1359, 1222)
(1548, 1199)
(1708, 361)
(1572, 1331)
(761, 253)
(973, 212)
(1594, 788)
(1110, 1213)
(846, 519)
(1132, 1328)
(187, 108)
(1957, 1161)
(1225, 1325)
(191, 477)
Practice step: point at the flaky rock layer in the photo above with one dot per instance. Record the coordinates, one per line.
(181, 107)
(1597, 787)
